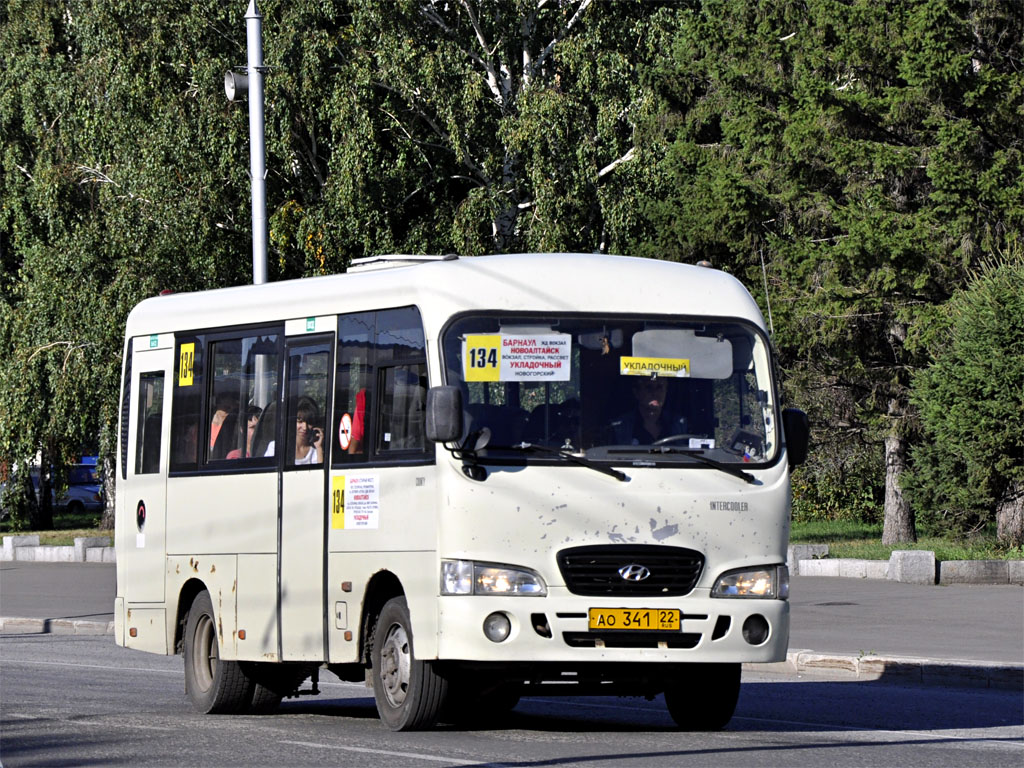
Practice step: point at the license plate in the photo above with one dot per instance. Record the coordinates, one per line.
(657, 619)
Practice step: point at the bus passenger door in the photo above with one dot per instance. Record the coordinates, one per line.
(145, 484)
(303, 440)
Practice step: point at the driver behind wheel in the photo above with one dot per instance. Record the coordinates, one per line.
(648, 420)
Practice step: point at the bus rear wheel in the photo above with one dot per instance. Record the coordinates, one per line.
(409, 692)
(213, 686)
(702, 697)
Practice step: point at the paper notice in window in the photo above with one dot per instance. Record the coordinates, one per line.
(355, 502)
(527, 357)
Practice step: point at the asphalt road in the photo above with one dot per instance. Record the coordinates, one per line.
(79, 700)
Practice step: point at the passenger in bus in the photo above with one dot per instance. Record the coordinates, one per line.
(309, 438)
(263, 440)
(649, 420)
(358, 423)
(224, 419)
(252, 421)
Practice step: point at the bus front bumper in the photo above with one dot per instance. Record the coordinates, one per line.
(557, 629)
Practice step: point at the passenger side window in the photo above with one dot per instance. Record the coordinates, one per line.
(187, 403)
(352, 401)
(305, 433)
(126, 399)
(402, 408)
(403, 373)
(226, 387)
(223, 433)
(149, 423)
(381, 387)
(245, 384)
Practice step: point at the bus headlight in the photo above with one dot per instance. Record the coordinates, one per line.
(768, 582)
(465, 577)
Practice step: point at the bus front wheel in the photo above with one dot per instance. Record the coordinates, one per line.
(409, 692)
(703, 696)
(213, 686)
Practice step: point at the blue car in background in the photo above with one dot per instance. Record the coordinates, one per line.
(84, 492)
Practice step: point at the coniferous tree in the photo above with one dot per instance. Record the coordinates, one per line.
(969, 466)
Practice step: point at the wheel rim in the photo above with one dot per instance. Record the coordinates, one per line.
(395, 665)
(204, 657)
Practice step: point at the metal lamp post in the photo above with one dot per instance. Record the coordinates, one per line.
(251, 84)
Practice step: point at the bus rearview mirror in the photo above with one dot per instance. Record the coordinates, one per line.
(798, 430)
(444, 414)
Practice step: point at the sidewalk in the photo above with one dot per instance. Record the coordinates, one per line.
(953, 635)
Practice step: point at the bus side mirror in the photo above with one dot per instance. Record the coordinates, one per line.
(444, 414)
(798, 431)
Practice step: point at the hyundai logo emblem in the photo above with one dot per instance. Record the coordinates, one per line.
(634, 572)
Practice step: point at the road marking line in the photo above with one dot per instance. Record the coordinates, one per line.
(388, 753)
(96, 721)
(8, 662)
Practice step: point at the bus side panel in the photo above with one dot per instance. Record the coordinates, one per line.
(149, 626)
(394, 529)
(257, 607)
(223, 514)
(383, 509)
(417, 574)
(302, 566)
(218, 576)
(119, 620)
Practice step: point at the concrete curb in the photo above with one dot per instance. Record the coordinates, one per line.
(86, 549)
(908, 670)
(23, 626)
(906, 566)
(955, 673)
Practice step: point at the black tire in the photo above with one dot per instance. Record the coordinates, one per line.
(265, 701)
(409, 692)
(213, 686)
(75, 508)
(703, 696)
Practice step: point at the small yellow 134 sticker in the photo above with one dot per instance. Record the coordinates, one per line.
(338, 502)
(186, 362)
(481, 355)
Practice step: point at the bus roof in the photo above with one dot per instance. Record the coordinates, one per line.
(444, 286)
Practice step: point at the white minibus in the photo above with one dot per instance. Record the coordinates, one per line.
(461, 480)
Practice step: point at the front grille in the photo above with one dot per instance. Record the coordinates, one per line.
(594, 570)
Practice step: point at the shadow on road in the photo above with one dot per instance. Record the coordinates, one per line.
(806, 706)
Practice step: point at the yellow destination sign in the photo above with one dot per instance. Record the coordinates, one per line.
(673, 367)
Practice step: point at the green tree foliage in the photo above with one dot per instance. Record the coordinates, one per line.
(970, 462)
(471, 127)
(409, 126)
(121, 177)
(865, 155)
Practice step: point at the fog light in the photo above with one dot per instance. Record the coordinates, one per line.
(755, 629)
(497, 627)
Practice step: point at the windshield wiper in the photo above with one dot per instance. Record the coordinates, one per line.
(696, 455)
(568, 456)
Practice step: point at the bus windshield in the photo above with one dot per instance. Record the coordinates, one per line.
(627, 389)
